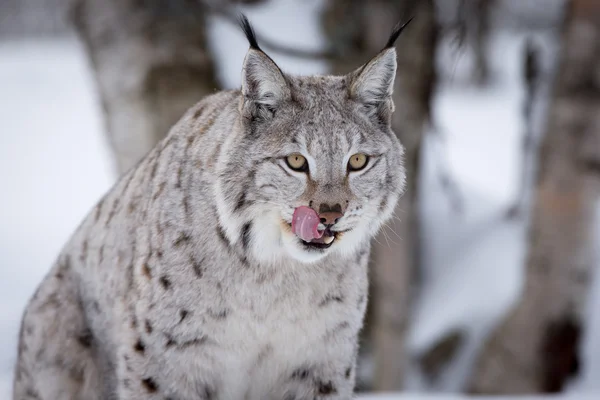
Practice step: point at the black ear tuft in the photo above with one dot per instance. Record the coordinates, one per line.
(248, 31)
(396, 32)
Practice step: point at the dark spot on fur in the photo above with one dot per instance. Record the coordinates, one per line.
(300, 373)
(190, 141)
(154, 168)
(113, 211)
(101, 254)
(149, 328)
(246, 234)
(183, 315)
(336, 331)
(360, 256)
(348, 372)
(186, 204)
(85, 338)
(326, 388)
(342, 326)
(207, 393)
(222, 236)
(197, 267)
(244, 261)
(146, 270)
(98, 210)
(28, 330)
(182, 239)
(131, 207)
(139, 346)
(170, 341)
(262, 277)
(264, 353)
(383, 205)
(126, 383)
(240, 202)
(331, 298)
(52, 302)
(198, 112)
(179, 175)
(126, 186)
(221, 314)
(161, 188)
(165, 282)
(150, 385)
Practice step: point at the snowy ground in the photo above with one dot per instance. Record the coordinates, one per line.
(54, 165)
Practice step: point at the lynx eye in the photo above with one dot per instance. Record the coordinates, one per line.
(358, 161)
(297, 162)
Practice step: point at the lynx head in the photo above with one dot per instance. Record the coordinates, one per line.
(310, 148)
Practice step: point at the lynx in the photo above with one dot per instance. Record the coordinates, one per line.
(231, 262)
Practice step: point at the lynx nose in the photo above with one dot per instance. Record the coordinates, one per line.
(329, 215)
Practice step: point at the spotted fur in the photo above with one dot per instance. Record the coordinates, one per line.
(186, 282)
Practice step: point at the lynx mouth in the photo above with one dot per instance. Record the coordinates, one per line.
(328, 238)
(322, 243)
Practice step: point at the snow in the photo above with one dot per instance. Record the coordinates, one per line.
(476, 254)
(55, 165)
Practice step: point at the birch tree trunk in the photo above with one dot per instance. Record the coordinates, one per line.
(151, 63)
(359, 29)
(536, 348)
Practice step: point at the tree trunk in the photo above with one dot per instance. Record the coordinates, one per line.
(151, 63)
(358, 30)
(536, 348)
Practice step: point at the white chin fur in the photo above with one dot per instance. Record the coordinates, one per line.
(298, 252)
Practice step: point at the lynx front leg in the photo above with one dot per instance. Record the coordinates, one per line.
(55, 359)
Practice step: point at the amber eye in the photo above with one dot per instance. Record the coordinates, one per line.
(297, 162)
(358, 161)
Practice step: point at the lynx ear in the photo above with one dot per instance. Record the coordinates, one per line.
(264, 86)
(373, 83)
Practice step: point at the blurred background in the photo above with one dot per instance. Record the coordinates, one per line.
(486, 280)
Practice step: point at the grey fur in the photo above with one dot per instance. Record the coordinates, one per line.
(185, 281)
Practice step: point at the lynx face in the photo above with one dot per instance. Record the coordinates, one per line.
(321, 143)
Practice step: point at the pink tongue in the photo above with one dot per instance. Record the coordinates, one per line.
(305, 222)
